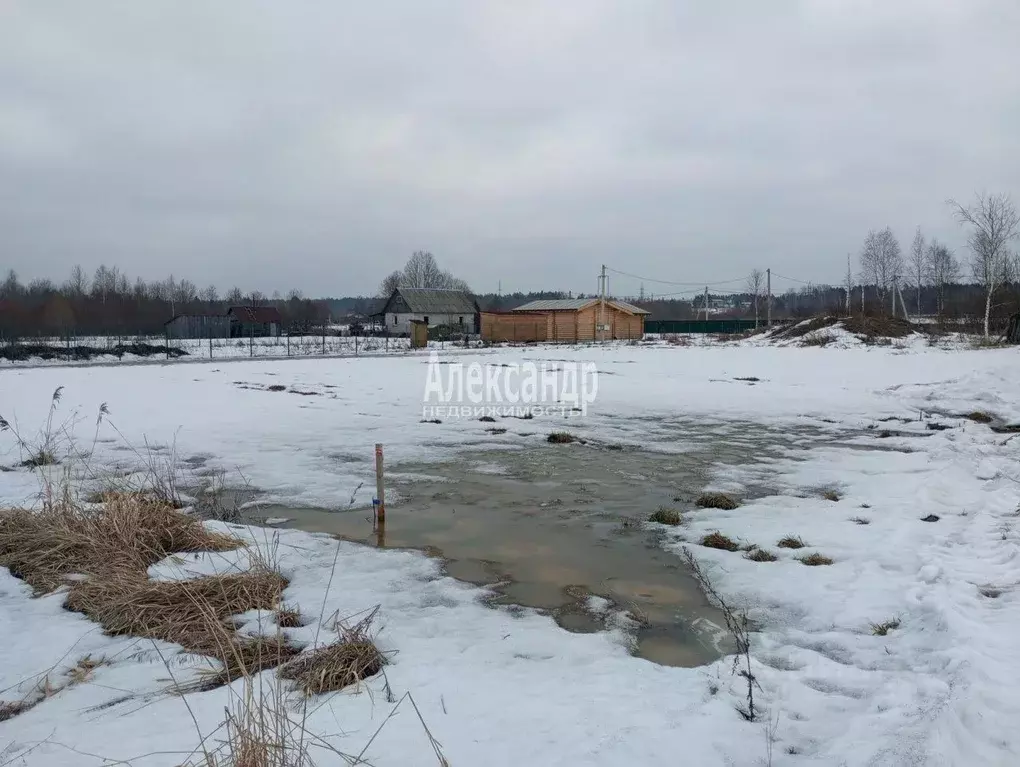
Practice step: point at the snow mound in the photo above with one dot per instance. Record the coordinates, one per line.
(843, 333)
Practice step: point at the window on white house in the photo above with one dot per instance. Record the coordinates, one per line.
(426, 319)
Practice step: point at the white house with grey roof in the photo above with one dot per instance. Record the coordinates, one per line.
(454, 308)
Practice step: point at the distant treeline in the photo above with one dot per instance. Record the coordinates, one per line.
(109, 303)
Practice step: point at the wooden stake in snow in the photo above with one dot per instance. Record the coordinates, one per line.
(380, 490)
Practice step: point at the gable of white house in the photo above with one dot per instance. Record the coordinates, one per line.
(431, 307)
(400, 322)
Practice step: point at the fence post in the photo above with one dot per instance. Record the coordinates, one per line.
(323, 339)
(251, 340)
(355, 345)
(380, 490)
(210, 342)
(167, 333)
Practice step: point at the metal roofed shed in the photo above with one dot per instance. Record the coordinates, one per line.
(576, 304)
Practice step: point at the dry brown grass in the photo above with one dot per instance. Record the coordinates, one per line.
(717, 540)
(351, 659)
(128, 535)
(109, 551)
(791, 542)
(760, 555)
(716, 501)
(289, 618)
(665, 515)
(81, 671)
(815, 560)
(830, 495)
(125, 603)
(561, 438)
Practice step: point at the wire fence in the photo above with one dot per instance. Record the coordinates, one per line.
(83, 348)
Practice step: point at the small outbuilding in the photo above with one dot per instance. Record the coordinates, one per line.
(455, 309)
(198, 326)
(255, 321)
(566, 320)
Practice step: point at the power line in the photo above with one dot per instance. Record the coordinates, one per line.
(682, 284)
(793, 279)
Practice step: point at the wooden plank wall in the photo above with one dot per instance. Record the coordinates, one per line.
(499, 327)
(564, 327)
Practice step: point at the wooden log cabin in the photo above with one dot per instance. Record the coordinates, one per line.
(565, 320)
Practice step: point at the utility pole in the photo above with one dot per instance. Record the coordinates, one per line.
(602, 304)
(849, 284)
(768, 304)
(903, 304)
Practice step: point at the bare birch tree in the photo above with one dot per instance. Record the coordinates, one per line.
(881, 260)
(421, 271)
(756, 286)
(78, 285)
(917, 262)
(390, 283)
(994, 223)
(455, 283)
(941, 269)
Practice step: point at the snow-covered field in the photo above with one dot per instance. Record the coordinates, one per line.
(499, 687)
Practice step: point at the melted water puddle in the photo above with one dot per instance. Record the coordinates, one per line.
(559, 529)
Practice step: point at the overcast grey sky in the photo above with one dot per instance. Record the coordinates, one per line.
(315, 144)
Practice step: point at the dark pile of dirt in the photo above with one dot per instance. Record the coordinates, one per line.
(879, 327)
(26, 352)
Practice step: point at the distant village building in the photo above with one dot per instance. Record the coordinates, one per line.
(238, 322)
(456, 309)
(255, 321)
(198, 326)
(567, 320)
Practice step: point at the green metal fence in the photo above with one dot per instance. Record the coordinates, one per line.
(700, 326)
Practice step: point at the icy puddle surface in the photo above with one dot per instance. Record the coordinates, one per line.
(561, 528)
